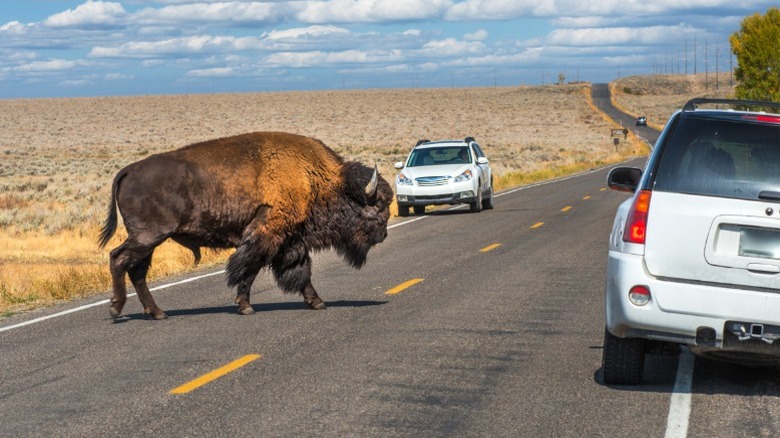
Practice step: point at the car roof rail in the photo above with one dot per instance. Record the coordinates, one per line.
(692, 104)
(468, 140)
(419, 142)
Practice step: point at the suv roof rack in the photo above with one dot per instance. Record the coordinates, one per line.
(468, 140)
(692, 104)
(419, 142)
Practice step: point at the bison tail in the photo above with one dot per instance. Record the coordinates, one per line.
(109, 227)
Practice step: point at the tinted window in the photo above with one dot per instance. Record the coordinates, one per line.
(721, 157)
(443, 155)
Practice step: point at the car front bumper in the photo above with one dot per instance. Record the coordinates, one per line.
(682, 312)
(455, 193)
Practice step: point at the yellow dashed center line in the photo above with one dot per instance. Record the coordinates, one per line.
(603, 189)
(537, 225)
(490, 247)
(404, 285)
(216, 374)
(567, 208)
(586, 197)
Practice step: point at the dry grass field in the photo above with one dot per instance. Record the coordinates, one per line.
(58, 158)
(658, 97)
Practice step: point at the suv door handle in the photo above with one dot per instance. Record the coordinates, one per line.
(763, 269)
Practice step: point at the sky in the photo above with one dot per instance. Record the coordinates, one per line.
(63, 48)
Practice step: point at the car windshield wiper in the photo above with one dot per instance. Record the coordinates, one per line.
(769, 195)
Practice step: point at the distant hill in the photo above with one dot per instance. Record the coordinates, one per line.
(657, 97)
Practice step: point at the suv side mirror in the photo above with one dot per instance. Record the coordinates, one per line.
(399, 165)
(482, 160)
(624, 179)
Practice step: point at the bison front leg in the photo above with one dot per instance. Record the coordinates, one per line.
(292, 270)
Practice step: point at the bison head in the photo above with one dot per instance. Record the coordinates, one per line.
(364, 223)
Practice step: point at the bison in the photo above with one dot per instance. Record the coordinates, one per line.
(273, 196)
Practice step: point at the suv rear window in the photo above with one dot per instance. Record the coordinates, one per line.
(720, 155)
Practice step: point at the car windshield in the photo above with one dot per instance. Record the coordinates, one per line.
(721, 157)
(440, 155)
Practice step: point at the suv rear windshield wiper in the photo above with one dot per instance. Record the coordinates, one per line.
(769, 195)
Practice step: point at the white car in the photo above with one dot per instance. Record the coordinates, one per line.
(694, 254)
(444, 172)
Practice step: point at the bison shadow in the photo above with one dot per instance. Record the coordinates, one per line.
(262, 307)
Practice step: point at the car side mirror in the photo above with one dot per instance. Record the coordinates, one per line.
(482, 160)
(399, 165)
(624, 179)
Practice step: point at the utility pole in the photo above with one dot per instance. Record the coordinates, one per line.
(706, 69)
(717, 55)
(694, 55)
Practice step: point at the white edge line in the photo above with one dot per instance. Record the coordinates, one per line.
(680, 403)
(164, 286)
(102, 302)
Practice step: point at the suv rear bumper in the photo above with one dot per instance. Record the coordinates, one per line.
(677, 310)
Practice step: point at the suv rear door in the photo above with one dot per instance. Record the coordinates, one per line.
(715, 198)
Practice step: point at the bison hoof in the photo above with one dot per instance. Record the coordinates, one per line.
(156, 314)
(115, 313)
(248, 310)
(316, 304)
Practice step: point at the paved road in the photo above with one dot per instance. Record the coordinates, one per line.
(492, 342)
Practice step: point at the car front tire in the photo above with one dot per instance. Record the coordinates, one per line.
(403, 210)
(487, 203)
(419, 209)
(623, 360)
(476, 206)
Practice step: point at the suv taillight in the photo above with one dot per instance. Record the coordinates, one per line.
(636, 223)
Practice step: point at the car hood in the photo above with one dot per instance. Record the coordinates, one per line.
(452, 170)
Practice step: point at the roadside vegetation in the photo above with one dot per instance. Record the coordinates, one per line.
(59, 157)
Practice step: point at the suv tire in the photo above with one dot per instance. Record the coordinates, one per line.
(419, 209)
(476, 206)
(623, 360)
(487, 203)
(403, 210)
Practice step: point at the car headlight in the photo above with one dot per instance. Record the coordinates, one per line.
(403, 180)
(465, 176)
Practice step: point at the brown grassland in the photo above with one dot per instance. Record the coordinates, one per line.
(58, 158)
(658, 97)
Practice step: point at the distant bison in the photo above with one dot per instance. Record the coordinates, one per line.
(273, 196)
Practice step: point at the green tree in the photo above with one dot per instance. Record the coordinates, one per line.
(561, 78)
(757, 47)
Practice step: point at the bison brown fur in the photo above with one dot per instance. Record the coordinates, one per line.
(273, 196)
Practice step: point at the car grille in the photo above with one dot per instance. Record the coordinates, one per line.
(433, 180)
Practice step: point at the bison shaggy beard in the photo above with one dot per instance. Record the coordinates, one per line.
(275, 197)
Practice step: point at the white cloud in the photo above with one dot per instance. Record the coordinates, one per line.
(371, 11)
(176, 46)
(43, 66)
(450, 47)
(617, 36)
(322, 59)
(217, 12)
(480, 35)
(13, 28)
(312, 32)
(89, 14)
(211, 72)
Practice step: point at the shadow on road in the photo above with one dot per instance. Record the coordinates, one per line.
(262, 307)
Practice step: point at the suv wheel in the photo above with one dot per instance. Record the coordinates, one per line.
(403, 210)
(623, 360)
(476, 206)
(419, 209)
(487, 203)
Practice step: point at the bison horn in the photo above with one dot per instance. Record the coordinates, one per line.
(371, 186)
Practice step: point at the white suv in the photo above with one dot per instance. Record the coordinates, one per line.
(444, 172)
(694, 254)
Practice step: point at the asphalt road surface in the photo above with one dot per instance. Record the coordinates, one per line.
(493, 327)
